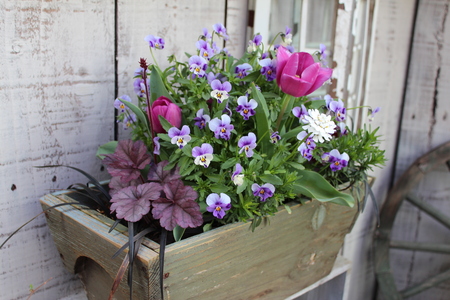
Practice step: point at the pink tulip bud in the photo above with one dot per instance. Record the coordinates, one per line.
(297, 73)
(170, 111)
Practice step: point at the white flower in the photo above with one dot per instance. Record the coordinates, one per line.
(320, 125)
(238, 179)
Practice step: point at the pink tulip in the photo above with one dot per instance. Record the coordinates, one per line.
(170, 111)
(297, 73)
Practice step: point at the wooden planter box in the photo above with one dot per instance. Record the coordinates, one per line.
(281, 257)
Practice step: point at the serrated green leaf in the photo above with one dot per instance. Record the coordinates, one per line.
(229, 163)
(313, 185)
(270, 178)
(219, 188)
(107, 148)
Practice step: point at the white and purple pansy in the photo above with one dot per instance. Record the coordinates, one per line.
(247, 144)
(269, 68)
(218, 204)
(197, 65)
(221, 127)
(203, 155)
(237, 177)
(263, 191)
(118, 103)
(338, 160)
(245, 107)
(220, 90)
(180, 137)
(300, 112)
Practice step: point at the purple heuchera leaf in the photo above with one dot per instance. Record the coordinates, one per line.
(178, 208)
(127, 161)
(133, 202)
(157, 173)
(115, 184)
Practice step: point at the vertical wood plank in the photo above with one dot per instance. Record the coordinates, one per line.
(425, 126)
(387, 64)
(57, 75)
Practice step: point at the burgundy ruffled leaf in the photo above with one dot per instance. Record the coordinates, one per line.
(133, 202)
(157, 173)
(127, 161)
(115, 184)
(178, 208)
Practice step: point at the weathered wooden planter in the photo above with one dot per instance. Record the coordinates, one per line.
(288, 253)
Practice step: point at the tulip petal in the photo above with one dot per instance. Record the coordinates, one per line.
(283, 55)
(323, 75)
(295, 86)
(304, 61)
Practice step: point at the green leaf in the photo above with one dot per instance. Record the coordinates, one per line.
(107, 148)
(262, 122)
(270, 178)
(164, 123)
(242, 187)
(219, 188)
(139, 113)
(157, 87)
(229, 163)
(178, 233)
(313, 185)
(296, 165)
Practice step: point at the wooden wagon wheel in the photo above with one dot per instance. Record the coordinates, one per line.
(382, 241)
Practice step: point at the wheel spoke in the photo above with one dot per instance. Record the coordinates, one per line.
(431, 211)
(414, 246)
(429, 283)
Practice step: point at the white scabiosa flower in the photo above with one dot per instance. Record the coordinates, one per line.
(319, 125)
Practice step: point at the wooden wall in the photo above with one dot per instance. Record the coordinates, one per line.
(425, 125)
(57, 86)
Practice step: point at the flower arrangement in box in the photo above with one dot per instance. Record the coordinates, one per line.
(218, 139)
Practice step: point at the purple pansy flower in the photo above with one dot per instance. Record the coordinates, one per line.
(246, 108)
(305, 152)
(206, 34)
(197, 65)
(220, 90)
(300, 113)
(218, 205)
(241, 70)
(323, 54)
(337, 160)
(287, 37)
(203, 155)
(221, 127)
(118, 103)
(268, 69)
(275, 137)
(221, 30)
(247, 144)
(309, 142)
(264, 191)
(343, 128)
(254, 43)
(180, 137)
(155, 41)
(205, 49)
(326, 157)
(372, 115)
(139, 86)
(201, 119)
(129, 120)
(339, 110)
(237, 177)
(156, 145)
(328, 100)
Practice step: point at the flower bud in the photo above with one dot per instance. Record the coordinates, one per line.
(170, 111)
